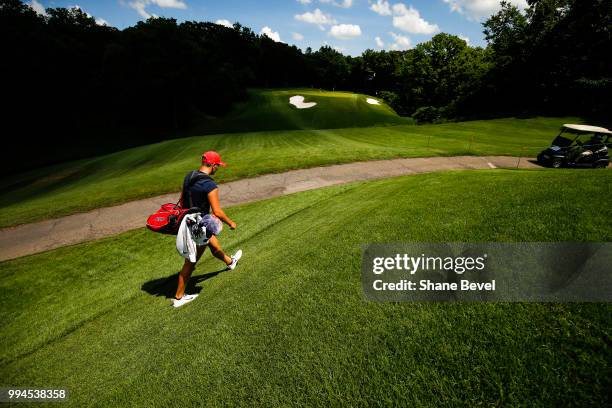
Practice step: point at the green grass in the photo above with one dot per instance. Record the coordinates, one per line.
(159, 168)
(291, 326)
(269, 109)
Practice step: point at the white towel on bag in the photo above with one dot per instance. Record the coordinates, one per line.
(186, 245)
(194, 231)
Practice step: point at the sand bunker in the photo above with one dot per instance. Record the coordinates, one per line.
(372, 101)
(298, 102)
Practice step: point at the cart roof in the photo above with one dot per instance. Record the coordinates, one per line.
(586, 129)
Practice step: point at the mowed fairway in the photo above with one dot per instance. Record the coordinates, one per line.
(159, 168)
(291, 325)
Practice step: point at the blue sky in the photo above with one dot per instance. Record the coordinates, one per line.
(351, 26)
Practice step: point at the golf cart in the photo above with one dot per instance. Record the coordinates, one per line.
(578, 146)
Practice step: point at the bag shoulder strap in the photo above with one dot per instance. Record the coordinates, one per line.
(193, 177)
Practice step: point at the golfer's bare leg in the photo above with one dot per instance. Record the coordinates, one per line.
(186, 272)
(215, 248)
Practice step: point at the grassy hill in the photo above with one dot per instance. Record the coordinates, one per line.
(263, 110)
(291, 326)
(159, 168)
(269, 109)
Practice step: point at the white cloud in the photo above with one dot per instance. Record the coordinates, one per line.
(317, 17)
(345, 31)
(477, 9)
(465, 38)
(400, 42)
(409, 20)
(304, 1)
(297, 36)
(178, 4)
(38, 8)
(224, 22)
(379, 42)
(343, 3)
(141, 5)
(381, 7)
(99, 21)
(273, 35)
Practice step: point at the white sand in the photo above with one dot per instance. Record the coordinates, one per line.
(298, 102)
(372, 101)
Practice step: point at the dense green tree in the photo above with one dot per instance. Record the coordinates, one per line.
(505, 33)
(331, 68)
(553, 58)
(441, 73)
(380, 70)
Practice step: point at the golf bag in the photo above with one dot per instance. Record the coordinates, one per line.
(167, 219)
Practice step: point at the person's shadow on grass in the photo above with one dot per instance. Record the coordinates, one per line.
(167, 286)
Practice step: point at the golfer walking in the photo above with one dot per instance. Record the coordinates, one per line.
(204, 194)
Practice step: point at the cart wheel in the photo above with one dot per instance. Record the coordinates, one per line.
(556, 163)
(600, 165)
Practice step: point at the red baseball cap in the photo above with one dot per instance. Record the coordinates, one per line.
(212, 157)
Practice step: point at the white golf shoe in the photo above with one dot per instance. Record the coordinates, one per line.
(235, 258)
(184, 300)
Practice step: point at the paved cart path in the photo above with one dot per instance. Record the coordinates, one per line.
(103, 222)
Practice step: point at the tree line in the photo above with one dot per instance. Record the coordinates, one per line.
(82, 89)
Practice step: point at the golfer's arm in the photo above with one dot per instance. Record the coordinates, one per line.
(215, 206)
